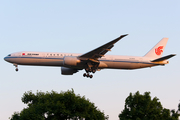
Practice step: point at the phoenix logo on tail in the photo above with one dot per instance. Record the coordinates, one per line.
(159, 50)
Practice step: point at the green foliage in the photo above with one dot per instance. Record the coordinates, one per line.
(142, 107)
(57, 106)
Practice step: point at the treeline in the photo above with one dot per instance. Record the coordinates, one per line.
(67, 105)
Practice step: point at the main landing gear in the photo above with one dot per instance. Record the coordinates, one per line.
(16, 67)
(87, 75)
(88, 70)
(90, 67)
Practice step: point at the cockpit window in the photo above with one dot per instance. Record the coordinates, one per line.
(9, 55)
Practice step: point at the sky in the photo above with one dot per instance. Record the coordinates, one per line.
(78, 27)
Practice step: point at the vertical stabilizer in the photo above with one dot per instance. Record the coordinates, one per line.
(158, 49)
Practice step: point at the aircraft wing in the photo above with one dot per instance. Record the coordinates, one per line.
(100, 51)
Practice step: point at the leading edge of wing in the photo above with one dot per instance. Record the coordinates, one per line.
(100, 51)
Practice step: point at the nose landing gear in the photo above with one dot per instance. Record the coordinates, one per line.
(16, 67)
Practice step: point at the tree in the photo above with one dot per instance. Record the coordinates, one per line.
(57, 106)
(142, 107)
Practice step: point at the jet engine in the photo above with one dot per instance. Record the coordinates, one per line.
(70, 61)
(68, 71)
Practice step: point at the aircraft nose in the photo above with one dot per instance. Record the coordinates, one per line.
(8, 58)
(5, 58)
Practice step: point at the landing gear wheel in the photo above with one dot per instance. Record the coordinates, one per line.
(87, 75)
(84, 74)
(91, 76)
(87, 70)
(16, 67)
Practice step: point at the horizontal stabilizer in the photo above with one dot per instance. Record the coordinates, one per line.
(163, 58)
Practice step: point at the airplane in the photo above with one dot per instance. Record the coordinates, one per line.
(92, 61)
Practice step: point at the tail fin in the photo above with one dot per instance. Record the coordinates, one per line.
(157, 50)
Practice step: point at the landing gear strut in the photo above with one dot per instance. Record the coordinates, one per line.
(16, 67)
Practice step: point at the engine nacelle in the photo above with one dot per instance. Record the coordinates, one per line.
(68, 71)
(70, 61)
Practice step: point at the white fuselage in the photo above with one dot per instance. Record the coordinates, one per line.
(57, 59)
